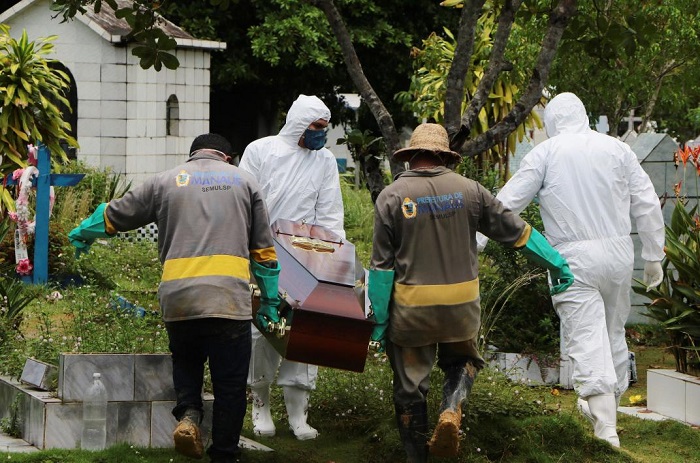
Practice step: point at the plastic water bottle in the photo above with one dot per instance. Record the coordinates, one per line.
(94, 416)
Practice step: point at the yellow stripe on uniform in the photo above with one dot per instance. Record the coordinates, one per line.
(109, 228)
(422, 295)
(205, 266)
(263, 255)
(524, 237)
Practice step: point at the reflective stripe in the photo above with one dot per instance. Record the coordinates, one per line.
(524, 238)
(218, 265)
(423, 295)
(263, 255)
(109, 228)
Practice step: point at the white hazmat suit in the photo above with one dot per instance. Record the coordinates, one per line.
(588, 185)
(298, 184)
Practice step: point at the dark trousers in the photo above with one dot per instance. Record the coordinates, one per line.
(412, 366)
(226, 344)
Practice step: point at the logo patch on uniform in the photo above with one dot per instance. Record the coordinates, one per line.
(182, 179)
(409, 208)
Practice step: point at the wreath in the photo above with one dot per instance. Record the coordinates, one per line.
(26, 223)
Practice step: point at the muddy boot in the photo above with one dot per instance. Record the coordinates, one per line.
(187, 437)
(456, 389)
(296, 400)
(412, 421)
(263, 425)
(582, 406)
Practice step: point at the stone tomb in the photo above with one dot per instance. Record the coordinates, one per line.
(140, 400)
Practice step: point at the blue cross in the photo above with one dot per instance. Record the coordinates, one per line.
(43, 183)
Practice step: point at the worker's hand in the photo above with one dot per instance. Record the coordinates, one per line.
(89, 229)
(379, 335)
(82, 244)
(653, 274)
(562, 278)
(267, 314)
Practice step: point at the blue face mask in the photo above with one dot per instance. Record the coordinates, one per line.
(314, 139)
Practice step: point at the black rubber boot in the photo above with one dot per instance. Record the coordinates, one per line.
(412, 421)
(457, 386)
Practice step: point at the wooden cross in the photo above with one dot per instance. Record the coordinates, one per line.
(43, 183)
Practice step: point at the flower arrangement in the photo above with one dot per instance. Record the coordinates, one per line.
(26, 223)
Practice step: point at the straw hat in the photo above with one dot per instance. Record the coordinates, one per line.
(428, 137)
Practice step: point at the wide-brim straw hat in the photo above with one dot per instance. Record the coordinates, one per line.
(427, 137)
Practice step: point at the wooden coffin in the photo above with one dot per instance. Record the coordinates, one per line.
(322, 287)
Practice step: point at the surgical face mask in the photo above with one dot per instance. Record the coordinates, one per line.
(314, 139)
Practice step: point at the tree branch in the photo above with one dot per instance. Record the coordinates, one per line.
(495, 66)
(558, 21)
(369, 96)
(454, 93)
(666, 69)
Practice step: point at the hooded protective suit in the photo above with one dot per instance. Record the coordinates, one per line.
(298, 184)
(588, 185)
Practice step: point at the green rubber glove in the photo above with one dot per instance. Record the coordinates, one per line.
(379, 287)
(89, 229)
(267, 279)
(540, 252)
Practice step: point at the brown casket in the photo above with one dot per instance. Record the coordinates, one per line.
(322, 287)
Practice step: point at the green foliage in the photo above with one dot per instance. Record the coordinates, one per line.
(361, 144)
(527, 320)
(72, 205)
(86, 318)
(646, 334)
(12, 423)
(100, 185)
(368, 152)
(630, 55)
(426, 95)
(675, 303)
(30, 94)
(15, 296)
(359, 220)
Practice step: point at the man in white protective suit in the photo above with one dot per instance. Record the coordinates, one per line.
(299, 179)
(588, 185)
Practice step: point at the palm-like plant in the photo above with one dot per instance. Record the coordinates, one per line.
(675, 304)
(426, 95)
(31, 92)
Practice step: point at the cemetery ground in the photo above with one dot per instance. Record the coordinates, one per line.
(503, 422)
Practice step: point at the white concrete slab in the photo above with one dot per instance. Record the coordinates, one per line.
(250, 444)
(642, 413)
(13, 445)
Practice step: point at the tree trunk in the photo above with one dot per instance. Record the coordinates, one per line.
(495, 66)
(558, 21)
(454, 91)
(369, 96)
(372, 168)
(667, 69)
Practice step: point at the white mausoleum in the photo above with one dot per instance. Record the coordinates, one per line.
(135, 121)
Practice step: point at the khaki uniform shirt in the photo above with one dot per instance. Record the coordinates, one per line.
(424, 230)
(212, 221)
